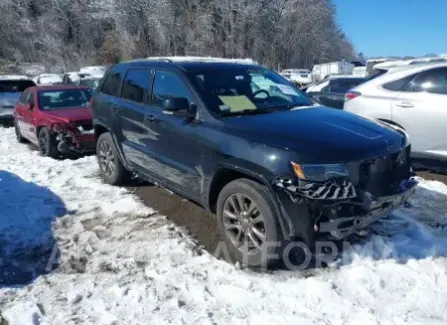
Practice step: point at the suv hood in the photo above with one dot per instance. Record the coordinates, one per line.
(70, 115)
(9, 99)
(319, 134)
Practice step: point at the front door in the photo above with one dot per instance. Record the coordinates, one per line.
(422, 110)
(176, 152)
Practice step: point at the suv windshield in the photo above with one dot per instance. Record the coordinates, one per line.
(15, 86)
(64, 99)
(246, 90)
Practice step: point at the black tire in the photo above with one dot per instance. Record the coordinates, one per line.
(112, 170)
(19, 137)
(47, 143)
(268, 254)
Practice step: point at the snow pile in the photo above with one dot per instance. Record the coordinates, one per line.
(121, 263)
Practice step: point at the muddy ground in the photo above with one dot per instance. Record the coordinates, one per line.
(201, 224)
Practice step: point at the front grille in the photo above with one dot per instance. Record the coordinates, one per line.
(87, 125)
(381, 176)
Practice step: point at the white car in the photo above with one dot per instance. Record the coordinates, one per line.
(413, 98)
(298, 76)
(360, 72)
(96, 71)
(49, 79)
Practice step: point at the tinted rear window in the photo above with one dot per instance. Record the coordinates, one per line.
(112, 83)
(136, 85)
(15, 86)
(398, 85)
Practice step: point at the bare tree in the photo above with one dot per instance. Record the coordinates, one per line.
(65, 34)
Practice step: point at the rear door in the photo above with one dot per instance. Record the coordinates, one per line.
(133, 117)
(105, 100)
(421, 108)
(24, 115)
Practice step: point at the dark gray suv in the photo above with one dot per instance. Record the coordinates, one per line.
(243, 142)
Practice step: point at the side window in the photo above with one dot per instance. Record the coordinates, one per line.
(402, 84)
(336, 87)
(168, 85)
(136, 84)
(112, 83)
(30, 99)
(23, 98)
(433, 81)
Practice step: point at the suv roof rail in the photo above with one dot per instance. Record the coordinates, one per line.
(200, 59)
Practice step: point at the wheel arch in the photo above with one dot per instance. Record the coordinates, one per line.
(391, 122)
(224, 174)
(100, 128)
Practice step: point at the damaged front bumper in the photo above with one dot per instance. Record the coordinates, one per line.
(370, 210)
(78, 140)
(336, 207)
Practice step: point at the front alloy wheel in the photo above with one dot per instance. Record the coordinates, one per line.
(248, 222)
(244, 224)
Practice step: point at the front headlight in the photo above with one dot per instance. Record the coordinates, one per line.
(320, 172)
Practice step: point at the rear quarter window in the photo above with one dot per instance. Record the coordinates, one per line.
(398, 85)
(112, 83)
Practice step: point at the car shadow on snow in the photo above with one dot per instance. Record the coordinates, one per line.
(27, 246)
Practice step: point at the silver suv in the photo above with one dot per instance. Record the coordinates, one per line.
(11, 88)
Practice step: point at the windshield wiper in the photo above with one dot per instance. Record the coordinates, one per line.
(288, 106)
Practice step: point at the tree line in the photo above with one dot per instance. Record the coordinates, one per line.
(69, 33)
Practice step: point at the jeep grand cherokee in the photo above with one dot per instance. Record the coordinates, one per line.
(243, 142)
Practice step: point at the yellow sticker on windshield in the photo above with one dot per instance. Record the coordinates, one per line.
(237, 103)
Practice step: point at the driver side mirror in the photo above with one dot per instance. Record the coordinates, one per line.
(179, 106)
(29, 107)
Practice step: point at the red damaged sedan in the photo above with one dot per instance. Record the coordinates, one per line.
(56, 118)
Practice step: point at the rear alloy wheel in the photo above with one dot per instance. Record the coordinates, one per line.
(19, 137)
(112, 170)
(47, 143)
(248, 222)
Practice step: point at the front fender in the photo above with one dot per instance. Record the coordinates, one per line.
(263, 176)
(118, 147)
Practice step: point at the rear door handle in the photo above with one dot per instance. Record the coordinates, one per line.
(150, 118)
(405, 104)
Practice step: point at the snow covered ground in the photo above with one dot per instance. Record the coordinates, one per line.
(121, 263)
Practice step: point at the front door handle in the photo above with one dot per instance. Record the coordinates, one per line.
(150, 118)
(114, 107)
(405, 104)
